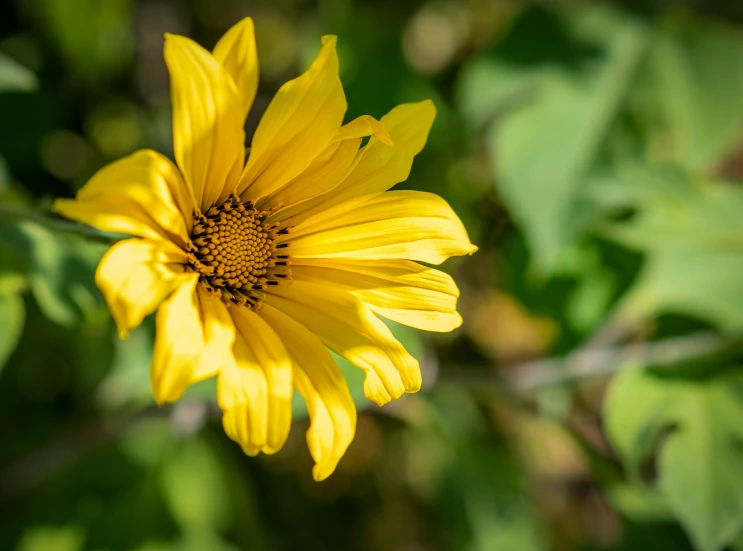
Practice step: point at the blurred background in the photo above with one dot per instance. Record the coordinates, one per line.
(593, 397)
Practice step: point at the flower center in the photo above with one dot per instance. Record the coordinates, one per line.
(236, 253)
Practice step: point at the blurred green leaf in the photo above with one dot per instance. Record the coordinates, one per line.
(595, 285)
(147, 444)
(127, 383)
(12, 317)
(587, 304)
(195, 541)
(542, 152)
(486, 87)
(640, 502)
(14, 77)
(697, 75)
(96, 45)
(5, 178)
(195, 488)
(52, 538)
(154, 545)
(60, 270)
(202, 540)
(692, 233)
(633, 412)
(700, 460)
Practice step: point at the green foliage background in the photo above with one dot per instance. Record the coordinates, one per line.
(593, 398)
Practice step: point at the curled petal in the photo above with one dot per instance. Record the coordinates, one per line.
(349, 328)
(193, 341)
(321, 383)
(399, 290)
(179, 342)
(364, 126)
(142, 194)
(328, 169)
(255, 392)
(380, 166)
(324, 173)
(135, 276)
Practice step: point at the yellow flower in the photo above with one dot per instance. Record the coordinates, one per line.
(215, 236)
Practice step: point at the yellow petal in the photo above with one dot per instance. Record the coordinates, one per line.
(242, 392)
(327, 170)
(179, 341)
(410, 225)
(321, 383)
(300, 122)
(381, 166)
(219, 335)
(350, 329)
(193, 340)
(142, 194)
(363, 126)
(399, 290)
(135, 276)
(236, 51)
(255, 392)
(208, 134)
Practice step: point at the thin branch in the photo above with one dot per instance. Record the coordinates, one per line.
(611, 332)
(593, 362)
(43, 464)
(56, 224)
(55, 456)
(62, 451)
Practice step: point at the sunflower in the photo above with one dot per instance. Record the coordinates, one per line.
(256, 267)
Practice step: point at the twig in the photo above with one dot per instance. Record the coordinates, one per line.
(592, 363)
(52, 458)
(56, 224)
(43, 464)
(62, 451)
(611, 332)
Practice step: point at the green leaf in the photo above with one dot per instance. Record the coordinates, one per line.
(195, 488)
(640, 503)
(200, 540)
(52, 538)
(486, 87)
(543, 152)
(692, 234)
(700, 460)
(193, 541)
(633, 410)
(155, 545)
(12, 318)
(14, 77)
(127, 383)
(697, 80)
(59, 268)
(95, 45)
(5, 179)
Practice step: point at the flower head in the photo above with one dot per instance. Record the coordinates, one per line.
(257, 267)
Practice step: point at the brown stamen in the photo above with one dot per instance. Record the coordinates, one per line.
(235, 253)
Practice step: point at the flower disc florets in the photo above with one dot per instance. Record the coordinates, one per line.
(235, 251)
